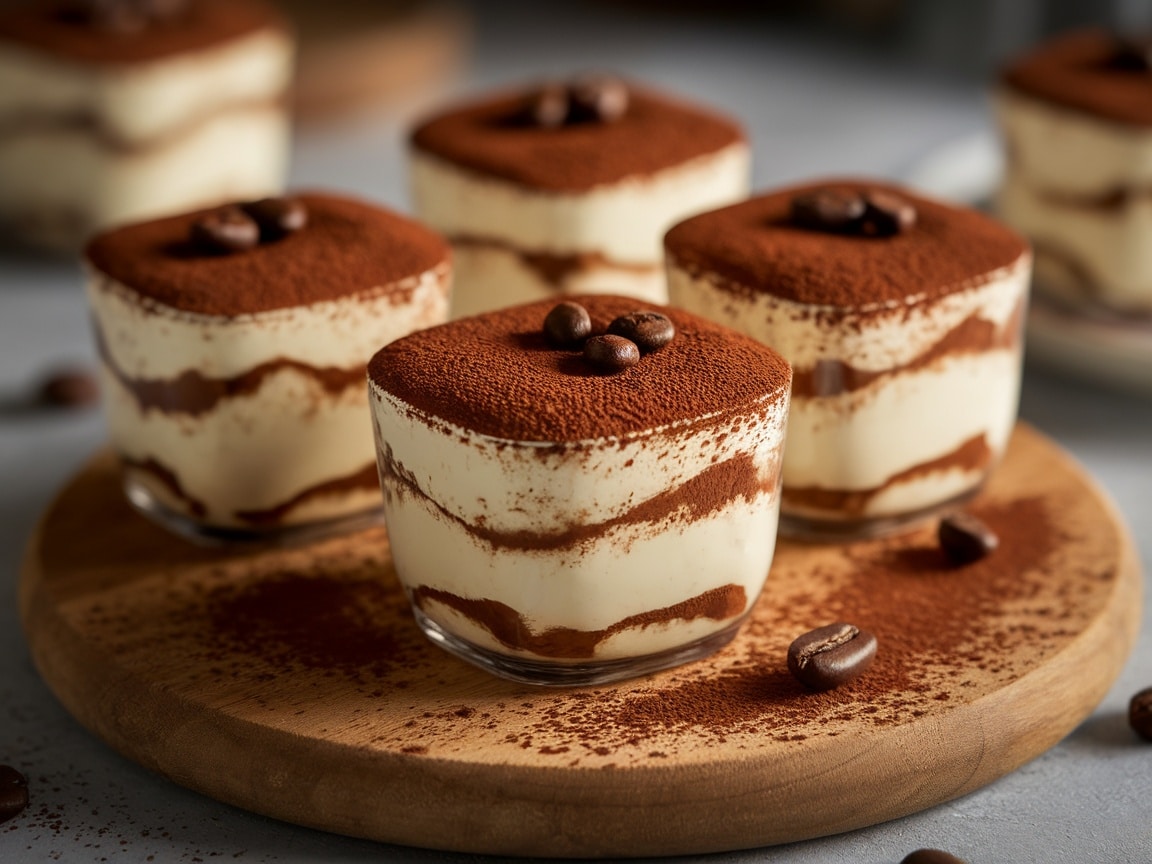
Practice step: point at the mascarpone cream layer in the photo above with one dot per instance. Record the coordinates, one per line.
(146, 339)
(1071, 152)
(624, 222)
(253, 450)
(859, 439)
(486, 519)
(1101, 252)
(134, 104)
(494, 277)
(66, 183)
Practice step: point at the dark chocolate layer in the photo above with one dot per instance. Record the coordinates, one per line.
(1078, 71)
(206, 24)
(754, 247)
(348, 247)
(657, 132)
(511, 629)
(497, 375)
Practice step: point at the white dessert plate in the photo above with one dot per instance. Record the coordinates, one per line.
(1118, 355)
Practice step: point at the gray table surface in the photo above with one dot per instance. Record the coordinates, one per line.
(811, 110)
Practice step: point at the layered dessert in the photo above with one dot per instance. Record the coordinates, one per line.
(114, 111)
(1076, 116)
(901, 318)
(560, 517)
(234, 344)
(569, 187)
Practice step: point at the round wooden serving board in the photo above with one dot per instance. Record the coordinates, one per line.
(295, 683)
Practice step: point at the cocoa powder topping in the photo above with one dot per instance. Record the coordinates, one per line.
(52, 28)
(754, 246)
(496, 374)
(655, 133)
(346, 248)
(1079, 70)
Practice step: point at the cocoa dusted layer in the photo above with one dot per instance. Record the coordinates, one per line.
(1085, 286)
(754, 246)
(496, 374)
(973, 456)
(349, 247)
(1079, 71)
(554, 269)
(46, 27)
(709, 492)
(973, 335)
(656, 132)
(195, 394)
(511, 629)
(364, 479)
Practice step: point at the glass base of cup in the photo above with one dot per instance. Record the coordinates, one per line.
(204, 534)
(814, 528)
(577, 674)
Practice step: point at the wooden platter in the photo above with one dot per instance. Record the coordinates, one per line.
(294, 682)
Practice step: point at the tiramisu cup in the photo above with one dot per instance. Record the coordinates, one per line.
(234, 345)
(568, 188)
(567, 508)
(1076, 116)
(901, 318)
(118, 110)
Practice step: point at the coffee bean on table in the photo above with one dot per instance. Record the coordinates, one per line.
(13, 792)
(886, 215)
(827, 657)
(277, 217)
(1140, 714)
(827, 210)
(931, 856)
(567, 325)
(69, 388)
(611, 354)
(227, 229)
(598, 98)
(966, 539)
(651, 331)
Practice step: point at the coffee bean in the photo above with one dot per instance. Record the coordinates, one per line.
(931, 856)
(69, 388)
(610, 354)
(567, 325)
(160, 11)
(830, 656)
(597, 98)
(828, 210)
(886, 215)
(13, 792)
(228, 229)
(548, 106)
(965, 539)
(651, 331)
(277, 216)
(1140, 714)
